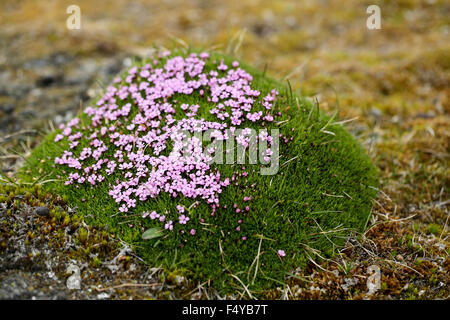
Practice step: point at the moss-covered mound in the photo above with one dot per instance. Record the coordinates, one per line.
(135, 161)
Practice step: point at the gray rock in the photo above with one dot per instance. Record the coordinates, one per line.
(375, 112)
(42, 211)
(7, 108)
(49, 77)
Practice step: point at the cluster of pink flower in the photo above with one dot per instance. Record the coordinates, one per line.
(135, 119)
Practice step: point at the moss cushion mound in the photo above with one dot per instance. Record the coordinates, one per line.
(146, 159)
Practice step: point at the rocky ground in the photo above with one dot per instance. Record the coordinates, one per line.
(48, 252)
(393, 83)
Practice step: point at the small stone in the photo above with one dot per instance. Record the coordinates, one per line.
(375, 112)
(7, 108)
(42, 211)
(103, 296)
(48, 78)
(399, 257)
(179, 279)
(426, 115)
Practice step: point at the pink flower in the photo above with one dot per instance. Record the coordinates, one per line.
(183, 219)
(154, 215)
(58, 137)
(281, 253)
(169, 225)
(137, 124)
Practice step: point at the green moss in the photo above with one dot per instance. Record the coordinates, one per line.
(434, 229)
(321, 194)
(83, 235)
